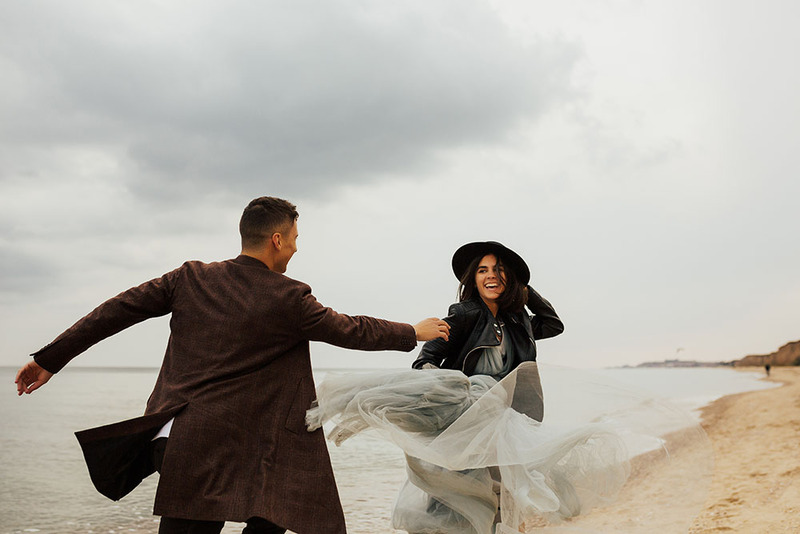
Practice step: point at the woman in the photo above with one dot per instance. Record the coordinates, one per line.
(490, 333)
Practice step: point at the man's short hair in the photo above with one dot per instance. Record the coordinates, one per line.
(263, 217)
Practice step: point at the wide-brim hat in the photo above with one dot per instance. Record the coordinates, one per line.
(466, 253)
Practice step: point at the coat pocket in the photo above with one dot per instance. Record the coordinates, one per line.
(301, 402)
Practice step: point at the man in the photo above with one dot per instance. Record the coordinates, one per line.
(233, 388)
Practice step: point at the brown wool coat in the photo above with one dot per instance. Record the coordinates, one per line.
(237, 378)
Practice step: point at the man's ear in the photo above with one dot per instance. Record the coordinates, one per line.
(276, 240)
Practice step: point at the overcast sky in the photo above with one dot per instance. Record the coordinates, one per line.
(641, 156)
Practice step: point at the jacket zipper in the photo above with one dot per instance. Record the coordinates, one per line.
(466, 358)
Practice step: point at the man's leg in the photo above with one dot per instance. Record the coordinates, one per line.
(259, 525)
(171, 525)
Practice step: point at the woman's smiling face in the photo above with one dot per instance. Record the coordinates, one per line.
(490, 279)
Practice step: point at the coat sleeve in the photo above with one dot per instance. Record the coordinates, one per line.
(151, 299)
(436, 351)
(545, 322)
(319, 323)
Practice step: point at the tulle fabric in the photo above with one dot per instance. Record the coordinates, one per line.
(482, 458)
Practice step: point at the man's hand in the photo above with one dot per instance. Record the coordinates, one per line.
(432, 328)
(31, 377)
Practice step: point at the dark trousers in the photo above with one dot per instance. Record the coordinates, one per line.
(255, 525)
(172, 525)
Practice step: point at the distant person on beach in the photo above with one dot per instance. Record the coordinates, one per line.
(225, 423)
(767, 367)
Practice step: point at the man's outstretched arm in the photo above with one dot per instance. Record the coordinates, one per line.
(319, 323)
(31, 377)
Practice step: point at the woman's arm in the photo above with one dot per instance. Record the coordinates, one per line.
(545, 321)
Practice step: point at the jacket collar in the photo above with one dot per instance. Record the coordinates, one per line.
(244, 259)
(488, 336)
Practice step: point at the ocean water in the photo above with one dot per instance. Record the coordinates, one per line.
(46, 487)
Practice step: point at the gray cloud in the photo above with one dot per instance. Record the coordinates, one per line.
(243, 95)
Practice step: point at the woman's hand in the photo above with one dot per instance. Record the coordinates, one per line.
(31, 377)
(432, 328)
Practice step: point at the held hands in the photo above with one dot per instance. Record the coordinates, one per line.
(432, 328)
(31, 377)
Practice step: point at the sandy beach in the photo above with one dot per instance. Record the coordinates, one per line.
(756, 441)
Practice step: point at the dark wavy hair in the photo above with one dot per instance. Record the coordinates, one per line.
(264, 216)
(513, 297)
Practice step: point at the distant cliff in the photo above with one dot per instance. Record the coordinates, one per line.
(682, 363)
(788, 354)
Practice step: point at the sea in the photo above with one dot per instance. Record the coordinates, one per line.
(46, 488)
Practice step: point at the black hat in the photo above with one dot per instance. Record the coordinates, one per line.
(465, 254)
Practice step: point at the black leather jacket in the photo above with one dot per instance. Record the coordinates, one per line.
(472, 327)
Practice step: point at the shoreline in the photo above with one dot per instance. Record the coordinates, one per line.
(754, 487)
